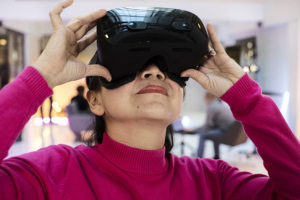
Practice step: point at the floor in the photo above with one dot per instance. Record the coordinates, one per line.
(36, 136)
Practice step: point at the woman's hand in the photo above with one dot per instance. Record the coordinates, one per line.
(58, 63)
(219, 72)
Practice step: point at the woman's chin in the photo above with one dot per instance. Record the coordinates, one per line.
(157, 110)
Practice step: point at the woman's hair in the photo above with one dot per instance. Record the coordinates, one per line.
(99, 127)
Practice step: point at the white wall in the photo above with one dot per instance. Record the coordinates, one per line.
(272, 59)
(293, 52)
(272, 54)
(194, 99)
(281, 11)
(283, 19)
(278, 47)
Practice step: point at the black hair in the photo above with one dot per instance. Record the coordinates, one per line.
(99, 127)
(80, 89)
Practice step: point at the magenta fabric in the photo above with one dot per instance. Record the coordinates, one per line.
(115, 171)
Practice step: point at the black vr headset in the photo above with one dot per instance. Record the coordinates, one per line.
(129, 37)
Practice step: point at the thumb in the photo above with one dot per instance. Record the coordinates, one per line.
(97, 70)
(196, 75)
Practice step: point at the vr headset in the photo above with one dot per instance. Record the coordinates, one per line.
(127, 38)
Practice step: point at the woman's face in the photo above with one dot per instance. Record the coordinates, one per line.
(151, 96)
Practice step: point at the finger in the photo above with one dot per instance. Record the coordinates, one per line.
(196, 75)
(98, 70)
(84, 29)
(86, 41)
(57, 10)
(214, 39)
(77, 22)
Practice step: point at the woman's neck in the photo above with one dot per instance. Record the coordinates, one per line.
(141, 134)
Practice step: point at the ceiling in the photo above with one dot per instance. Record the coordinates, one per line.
(212, 10)
(253, 1)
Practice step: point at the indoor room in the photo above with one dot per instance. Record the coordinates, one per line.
(221, 99)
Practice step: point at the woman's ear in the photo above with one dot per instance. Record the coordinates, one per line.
(94, 100)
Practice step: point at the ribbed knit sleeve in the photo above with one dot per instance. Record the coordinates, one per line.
(19, 100)
(35, 175)
(275, 142)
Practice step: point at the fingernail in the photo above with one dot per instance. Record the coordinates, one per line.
(185, 75)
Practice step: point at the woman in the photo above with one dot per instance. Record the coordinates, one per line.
(132, 161)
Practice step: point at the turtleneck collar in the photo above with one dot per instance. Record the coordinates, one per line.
(146, 162)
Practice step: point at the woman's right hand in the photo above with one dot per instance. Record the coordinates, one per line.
(58, 63)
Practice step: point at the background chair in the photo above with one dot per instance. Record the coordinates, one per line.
(235, 135)
(78, 121)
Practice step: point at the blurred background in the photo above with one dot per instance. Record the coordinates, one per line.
(263, 36)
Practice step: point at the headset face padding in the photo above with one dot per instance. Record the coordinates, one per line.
(127, 38)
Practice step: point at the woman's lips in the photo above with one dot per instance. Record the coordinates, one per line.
(153, 89)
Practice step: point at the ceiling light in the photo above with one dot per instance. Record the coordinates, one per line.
(249, 45)
(250, 53)
(3, 42)
(253, 68)
(56, 107)
(246, 69)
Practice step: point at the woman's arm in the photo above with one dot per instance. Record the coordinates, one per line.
(31, 175)
(19, 100)
(262, 121)
(275, 142)
(57, 64)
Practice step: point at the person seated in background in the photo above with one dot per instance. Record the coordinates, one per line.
(81, 102)
(218, 120)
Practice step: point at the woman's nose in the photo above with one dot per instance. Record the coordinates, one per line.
(153, 72)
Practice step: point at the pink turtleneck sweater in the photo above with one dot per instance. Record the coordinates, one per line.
(115, 171)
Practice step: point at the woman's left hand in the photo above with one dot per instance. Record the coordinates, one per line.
(219, 72)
